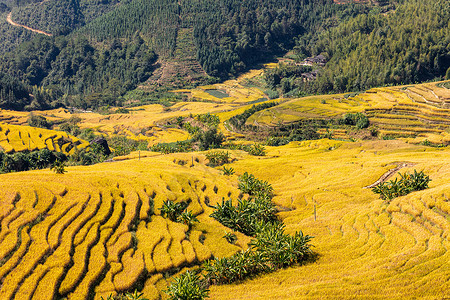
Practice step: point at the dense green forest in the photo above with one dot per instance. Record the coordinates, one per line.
(101, 49)
(408, 45)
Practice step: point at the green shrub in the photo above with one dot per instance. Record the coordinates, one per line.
(187, 218)
(218, 158)
(249, 184)
(247, 215)
(230, 237)
(359, 120)
(257, 150)
(187, 286)
(208, 119)
(408, 183)
(59, 167)
(172, 210)
(227, 171)
(279, 250)
(38, 121)
(127, 296)
(271, 250)
(210, 139)
(165, 148)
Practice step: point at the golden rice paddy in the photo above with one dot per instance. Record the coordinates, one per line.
(97, 230)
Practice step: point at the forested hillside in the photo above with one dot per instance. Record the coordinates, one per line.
(101, 50)
(408, 45)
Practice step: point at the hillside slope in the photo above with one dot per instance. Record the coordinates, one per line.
(368, 248)
(97, 230)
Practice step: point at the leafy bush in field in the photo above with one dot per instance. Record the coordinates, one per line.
(187, 286)
(23, 161)
(257, 150)
(279, 250)
(230, 237)
(38, 121)
(218, 158)
(165, 148)
(209, 139)
(247, 216)
(249, 184)
(271, 250)
(227, 171)
(58, 167)
(187, 218)
(254, 149)
(359, 120)
(407, 184)
(208, 119)
(123, 145)
(127, 296)
(172, 210)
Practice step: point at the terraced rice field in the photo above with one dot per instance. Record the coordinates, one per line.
(420, 112)
(142, 123)
(16, 138)
(368, 248)
(97, 230)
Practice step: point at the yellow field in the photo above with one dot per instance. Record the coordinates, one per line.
(97, 230)
(367, 248)
(16, 138)
(52, 223)
(93, 229)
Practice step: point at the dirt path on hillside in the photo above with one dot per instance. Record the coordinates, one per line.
(10, 21)
(390, 173)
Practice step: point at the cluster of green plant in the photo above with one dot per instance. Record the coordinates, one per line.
(359, 120)
(208, 119)
(193, 130)
(165, 148)
(230, 237)
(59, 167)
(176, 212)
(238, 121)
(270, 249)
(38, 121)
(247, 216)
(252, 149)
(187, 286)
(123, 146)
(209, 139)
(24, 161)
(227, 171)
(409, 182)
(218, 158)
(251, 185)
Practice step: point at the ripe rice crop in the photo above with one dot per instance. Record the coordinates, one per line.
(92, 232)
(17, 138)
